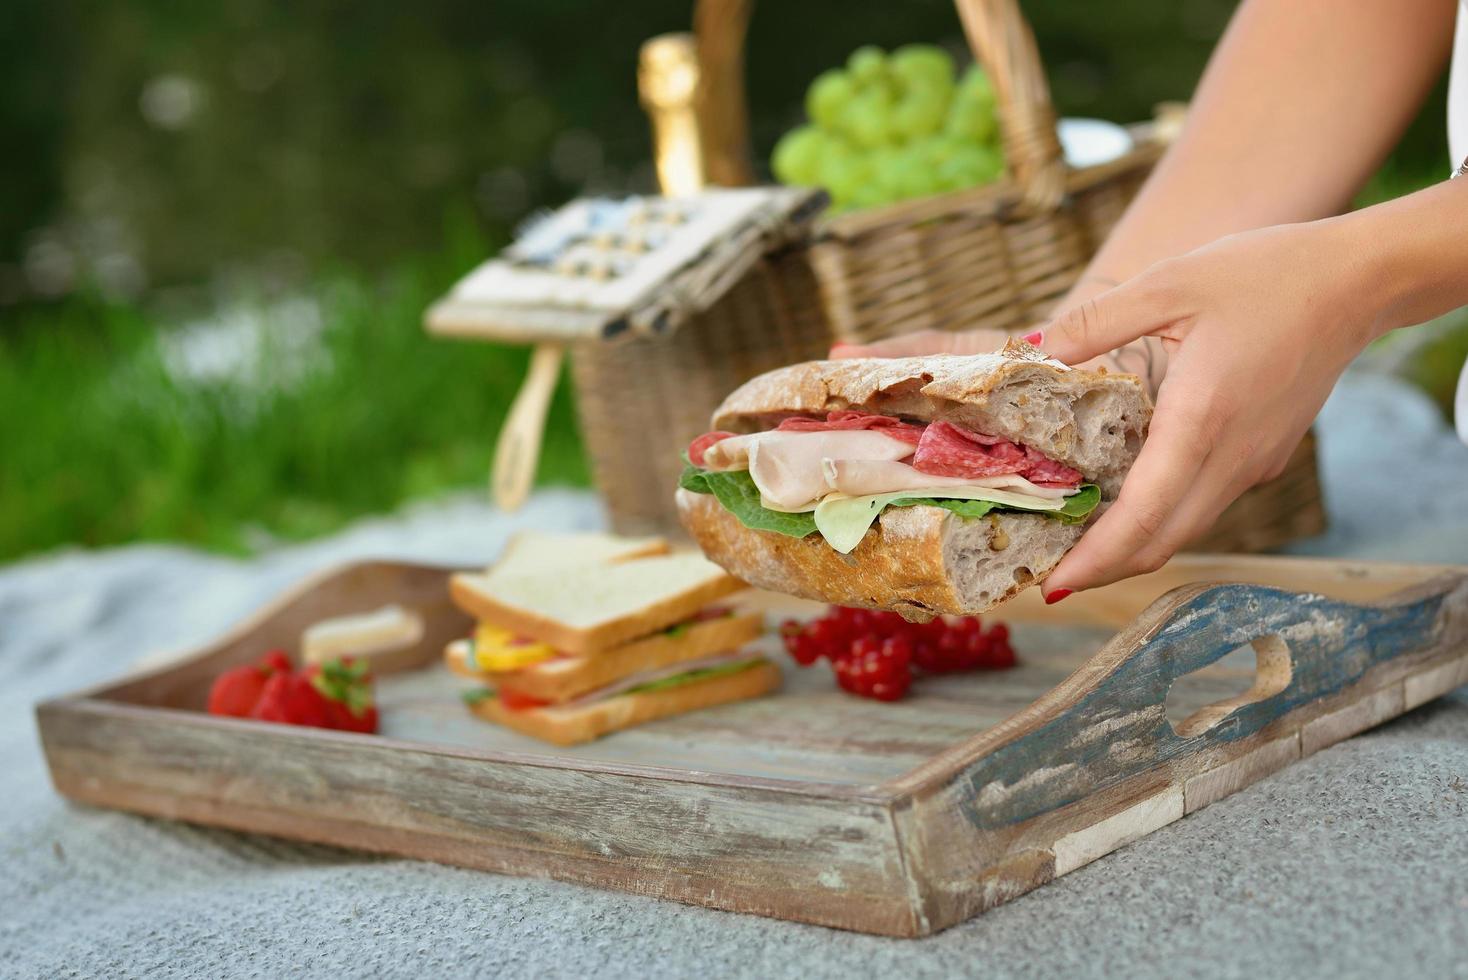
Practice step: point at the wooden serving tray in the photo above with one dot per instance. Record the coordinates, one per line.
(899, 819)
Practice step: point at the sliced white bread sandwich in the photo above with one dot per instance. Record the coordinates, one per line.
(583, 608)
(926, 485)
(591, 718)
(571, 649)
(536, 670)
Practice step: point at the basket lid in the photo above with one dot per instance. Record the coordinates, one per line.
(602, 268)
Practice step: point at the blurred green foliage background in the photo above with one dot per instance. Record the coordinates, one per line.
(220, 224)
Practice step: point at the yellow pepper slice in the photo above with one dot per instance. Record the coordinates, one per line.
(495, 649)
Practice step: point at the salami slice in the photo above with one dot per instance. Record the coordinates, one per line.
(949, 450)
(699, 446)
(1046, 472)
(889, 426)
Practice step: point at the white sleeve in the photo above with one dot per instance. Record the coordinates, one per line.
(1460, 405)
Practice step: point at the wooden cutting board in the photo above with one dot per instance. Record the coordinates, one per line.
(1133, 706)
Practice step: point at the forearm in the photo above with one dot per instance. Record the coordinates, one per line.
(1299, 105)
(1285, 127)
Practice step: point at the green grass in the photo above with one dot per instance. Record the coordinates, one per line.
(100, 445)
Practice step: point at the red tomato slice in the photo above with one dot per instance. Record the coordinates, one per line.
(520, 702)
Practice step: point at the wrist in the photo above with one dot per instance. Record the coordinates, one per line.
(1354, 277)
(1404, 257)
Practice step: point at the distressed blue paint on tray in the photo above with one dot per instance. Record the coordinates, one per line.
(1119, 730)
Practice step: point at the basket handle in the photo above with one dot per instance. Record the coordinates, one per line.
(517, 451)
(1002, 42)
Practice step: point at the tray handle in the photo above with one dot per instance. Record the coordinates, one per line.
(1106, 724)
(1307, 647)
(1002, 42)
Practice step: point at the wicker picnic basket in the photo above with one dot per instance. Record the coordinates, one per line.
(998, 256)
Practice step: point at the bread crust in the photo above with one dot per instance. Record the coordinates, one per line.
(946, 382)
(572, 726)
(1093, 421)
(905, 562)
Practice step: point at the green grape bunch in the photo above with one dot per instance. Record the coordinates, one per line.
(892, 127)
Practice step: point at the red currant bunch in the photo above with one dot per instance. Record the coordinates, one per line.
(874, 654)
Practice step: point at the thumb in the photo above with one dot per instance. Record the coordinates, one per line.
(1104, 323)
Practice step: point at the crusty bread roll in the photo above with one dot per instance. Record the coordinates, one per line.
(922, 561)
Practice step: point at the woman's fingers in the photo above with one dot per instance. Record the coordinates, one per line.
(926, 342)
(1111, 320)
(1137, 533)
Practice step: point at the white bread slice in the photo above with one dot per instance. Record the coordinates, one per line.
(586, 608)
(534, 552)
(565, 678)
(574, 725)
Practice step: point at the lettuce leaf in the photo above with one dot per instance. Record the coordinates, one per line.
(735, 489)
(702, 674)
(474, 695)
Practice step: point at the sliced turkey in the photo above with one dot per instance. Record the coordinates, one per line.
(786, 466)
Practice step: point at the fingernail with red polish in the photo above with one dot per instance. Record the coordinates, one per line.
(1034, 338)
(1056, 596)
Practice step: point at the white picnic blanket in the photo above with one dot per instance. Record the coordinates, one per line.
(1350, 863)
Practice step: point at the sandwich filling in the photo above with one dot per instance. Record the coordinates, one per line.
(493, 649)
(643, 682)
(834, 476)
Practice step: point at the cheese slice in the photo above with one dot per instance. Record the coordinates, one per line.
(843, 521)
(804, 508)
(787, 466)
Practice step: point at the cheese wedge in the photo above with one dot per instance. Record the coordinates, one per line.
(843, 521)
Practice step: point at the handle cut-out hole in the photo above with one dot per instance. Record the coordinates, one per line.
(1253, 672)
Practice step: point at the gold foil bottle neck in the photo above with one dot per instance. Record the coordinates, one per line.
(667, 80)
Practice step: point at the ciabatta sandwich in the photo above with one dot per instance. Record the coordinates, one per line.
(926, 485)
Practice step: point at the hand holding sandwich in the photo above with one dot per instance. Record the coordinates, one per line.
(1257, 329)
(1243, 338)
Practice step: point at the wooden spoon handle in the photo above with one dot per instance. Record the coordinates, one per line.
(518, 450)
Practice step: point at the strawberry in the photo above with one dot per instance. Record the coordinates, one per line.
(291, 699)
(346, 688)
(336, 695)
(236, 692)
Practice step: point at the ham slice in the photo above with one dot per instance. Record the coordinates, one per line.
(786, 466)
(791, 477)
(700, 446)
(728, 453)
(863, 477)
